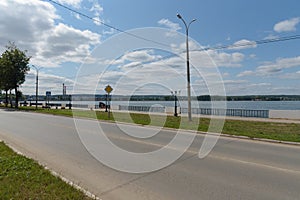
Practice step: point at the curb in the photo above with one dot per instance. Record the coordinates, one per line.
(261, 139)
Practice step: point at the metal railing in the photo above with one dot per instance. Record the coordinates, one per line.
(229, 112)
(143, 108)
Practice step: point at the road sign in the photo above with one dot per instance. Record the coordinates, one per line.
(48, 93)
(108, 89)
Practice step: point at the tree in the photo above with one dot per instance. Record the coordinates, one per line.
(13, 68)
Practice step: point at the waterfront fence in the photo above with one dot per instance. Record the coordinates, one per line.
(229, 112)
(143, 108)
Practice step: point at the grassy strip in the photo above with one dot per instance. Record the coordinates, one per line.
(23, 178)
(252, 129)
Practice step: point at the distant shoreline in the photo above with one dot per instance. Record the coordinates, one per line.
(102, 97)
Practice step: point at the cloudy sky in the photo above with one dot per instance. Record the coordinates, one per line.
(86, 55)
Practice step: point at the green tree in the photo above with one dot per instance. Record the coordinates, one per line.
(13, 68)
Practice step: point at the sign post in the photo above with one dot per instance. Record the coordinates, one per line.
(48, 96)
(108, 89)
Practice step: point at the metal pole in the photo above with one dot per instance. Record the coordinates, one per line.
(36, 85)
(175, 97)
(109, 106)
(36, 88)
(106, 104)
(188, 65)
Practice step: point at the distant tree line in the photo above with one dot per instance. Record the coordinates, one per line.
(251, 98)
(13, 68)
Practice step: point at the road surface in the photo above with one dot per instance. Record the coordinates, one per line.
(235, 169)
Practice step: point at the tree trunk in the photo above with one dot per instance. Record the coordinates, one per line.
(6, 98)
(17, 97)
(10, 99)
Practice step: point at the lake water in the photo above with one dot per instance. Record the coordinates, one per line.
(251, 105)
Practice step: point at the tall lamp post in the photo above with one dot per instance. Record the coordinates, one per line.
(187, 26)
(36, 84)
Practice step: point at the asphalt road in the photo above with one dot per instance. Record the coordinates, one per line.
(235, 169)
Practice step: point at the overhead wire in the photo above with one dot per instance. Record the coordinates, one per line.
(252, 43)
(219, 47)
(105, 24)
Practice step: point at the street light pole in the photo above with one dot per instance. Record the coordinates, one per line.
(36, 85)
(187, 26)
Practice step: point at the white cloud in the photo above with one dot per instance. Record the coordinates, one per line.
(213, 58)
(295, 75)
(246, 73)
(278, 65)
(169, 24)
(36, 30)
(234, 82)
(243, 44)
(143, 67)
(109, 32)
(98, 10)
(225, 74)
(271, 37)
(47, 82)
(140, 56)
(287, 25)
(273, 68)
(252, 56)
(134, 58)
(260, 84)
(74, 3)
(209, 58)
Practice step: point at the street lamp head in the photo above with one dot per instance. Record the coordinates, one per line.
(194, 20)
(179, 16)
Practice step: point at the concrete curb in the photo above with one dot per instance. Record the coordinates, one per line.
(54, 173)
(262, 140)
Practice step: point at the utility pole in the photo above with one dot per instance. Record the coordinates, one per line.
(36, 84)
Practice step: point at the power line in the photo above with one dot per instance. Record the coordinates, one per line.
(232, 46)
(107, 25)
(251, 43)
(220, 47)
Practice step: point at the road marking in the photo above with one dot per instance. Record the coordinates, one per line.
(187, 151)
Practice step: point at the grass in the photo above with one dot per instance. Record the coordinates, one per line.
(268, 130)
(251, 129)
(22, 178)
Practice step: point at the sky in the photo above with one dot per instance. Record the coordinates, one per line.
(138, 47)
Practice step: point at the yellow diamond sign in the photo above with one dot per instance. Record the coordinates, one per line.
(108, 89)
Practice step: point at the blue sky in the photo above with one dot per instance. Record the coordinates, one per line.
(65, 45)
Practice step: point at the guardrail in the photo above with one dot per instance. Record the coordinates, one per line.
(199, 111)
(229, 112)
(143, 108)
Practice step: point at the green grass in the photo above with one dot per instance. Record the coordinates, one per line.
(22, 178)
(252, 129)
(268, 130)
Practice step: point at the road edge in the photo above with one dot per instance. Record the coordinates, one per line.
(54, 173)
